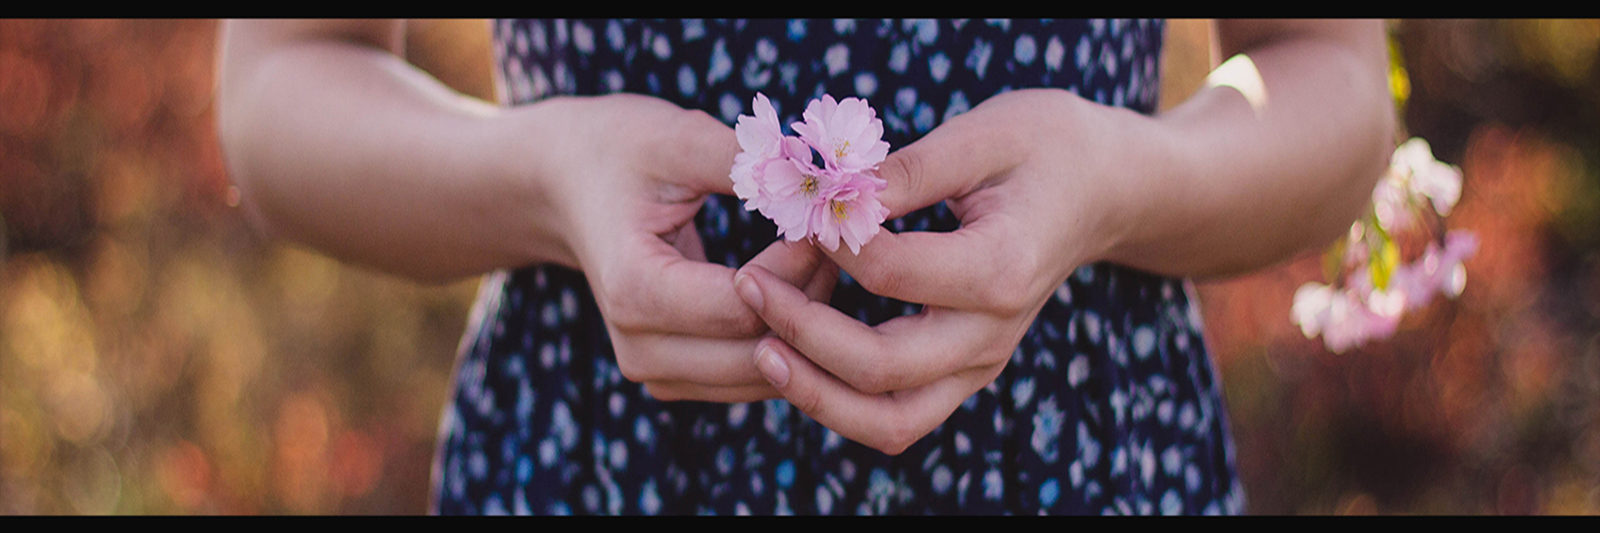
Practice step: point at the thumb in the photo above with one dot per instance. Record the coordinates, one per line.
(954, 159)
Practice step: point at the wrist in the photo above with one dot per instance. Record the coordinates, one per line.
(526, 197)
(1138, 166)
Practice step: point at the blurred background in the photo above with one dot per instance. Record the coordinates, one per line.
(159, 357)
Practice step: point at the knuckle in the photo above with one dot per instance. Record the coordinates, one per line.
(807, 401)
(904, 169)
(785, 326)
(634, 365)
(623, 313)
(619, 300)
(631, 369)
(879, 280)
(897, 439)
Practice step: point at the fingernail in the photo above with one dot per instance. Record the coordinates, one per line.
(748, 290)
(772, 366)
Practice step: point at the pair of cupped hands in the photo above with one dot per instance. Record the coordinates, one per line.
(1028, 173)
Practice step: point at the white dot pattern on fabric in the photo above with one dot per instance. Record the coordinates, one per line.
(1109, 404)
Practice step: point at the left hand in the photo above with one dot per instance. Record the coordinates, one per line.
(1033, 177)
(623, 182)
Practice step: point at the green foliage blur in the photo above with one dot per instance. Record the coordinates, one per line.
(158, 356)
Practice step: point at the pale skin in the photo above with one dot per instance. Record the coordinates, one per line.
(336, 143)
(1263, 163)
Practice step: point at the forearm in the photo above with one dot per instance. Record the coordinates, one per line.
(343, 146)
(1264, 162)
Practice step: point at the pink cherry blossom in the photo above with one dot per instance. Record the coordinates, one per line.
(774, 173)
(1413, 284)
(760, 143)
(851, 211)
(1426, 176)
(1441, 183)
(1391, 203)
(1312, 305)
(1346, 318)
(847, 133)
(1414, 177)
(1356, 311)
(1451, 275)
(1353, 322)
(1437, 271)
(793, 189)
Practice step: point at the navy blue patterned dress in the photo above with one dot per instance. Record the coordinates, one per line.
(1108, 405)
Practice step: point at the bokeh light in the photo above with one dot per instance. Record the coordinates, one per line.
(157, 356)
(1488, 404)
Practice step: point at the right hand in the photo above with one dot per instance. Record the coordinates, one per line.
(622, 177)
(1032, 176)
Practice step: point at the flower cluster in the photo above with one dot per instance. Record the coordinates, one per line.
(777, 174)
(1368, 303)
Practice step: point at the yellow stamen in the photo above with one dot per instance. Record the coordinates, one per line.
(808, 185)
(839, 151)
(839, 210)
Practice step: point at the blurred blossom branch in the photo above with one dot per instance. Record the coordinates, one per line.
(1371, 288)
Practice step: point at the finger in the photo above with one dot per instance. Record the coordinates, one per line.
(977, 267)
(807, 323)
(650, 357)
(950, 161)
(887, 422)
(656, 289)
(901, 353)
(698, 154)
